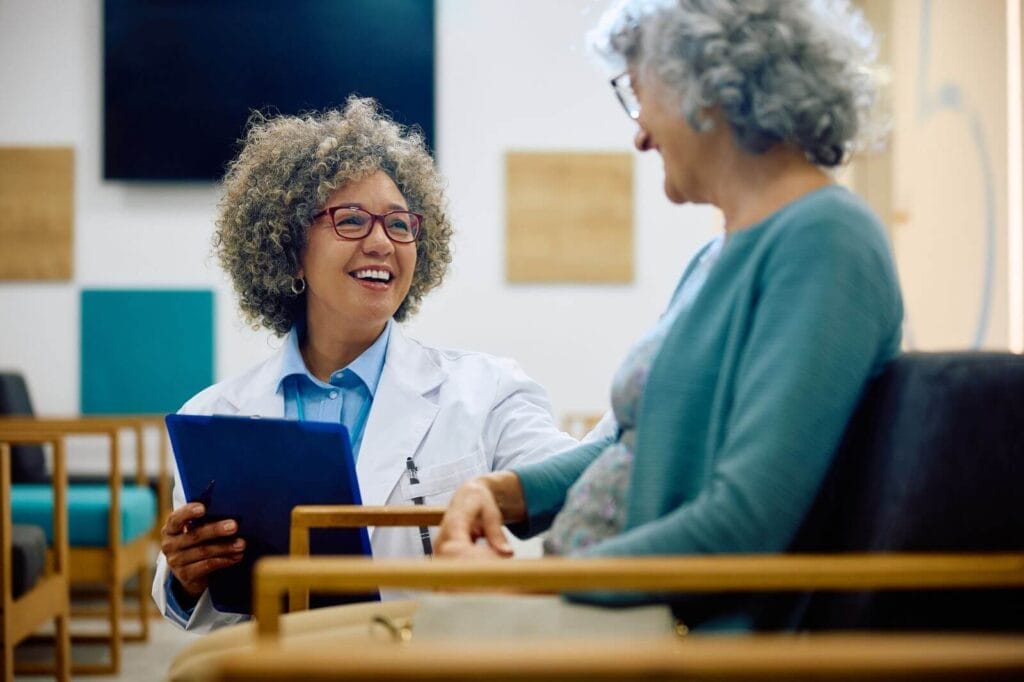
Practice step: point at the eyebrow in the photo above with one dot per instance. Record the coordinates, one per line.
(356, 204)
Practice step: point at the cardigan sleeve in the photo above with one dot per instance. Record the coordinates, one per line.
(546, 483)
(825, 316)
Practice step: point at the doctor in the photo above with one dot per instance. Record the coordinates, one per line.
(332, 227)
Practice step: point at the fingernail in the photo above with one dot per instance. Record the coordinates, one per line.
(197, 510)
(238, 544)
(228, 526)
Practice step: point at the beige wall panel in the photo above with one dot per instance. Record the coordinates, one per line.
(950, 171)
(871, 170)
(569, 217)
(36, 211)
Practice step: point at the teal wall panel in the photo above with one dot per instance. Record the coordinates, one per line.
(144, 351)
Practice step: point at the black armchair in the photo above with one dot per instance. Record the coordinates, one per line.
(933, 461)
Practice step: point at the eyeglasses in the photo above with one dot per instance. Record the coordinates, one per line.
(351, 222)
(623, 87)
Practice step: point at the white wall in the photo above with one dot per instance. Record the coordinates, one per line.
(510, 75)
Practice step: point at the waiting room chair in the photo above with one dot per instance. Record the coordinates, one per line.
(933, 461)
(934, 452)
(852, 655)
(113, 525)
(34, 581)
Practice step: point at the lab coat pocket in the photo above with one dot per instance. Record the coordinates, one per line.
(438, 482)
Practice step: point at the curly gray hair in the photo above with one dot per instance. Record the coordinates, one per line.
(782, 71)
(287, 168)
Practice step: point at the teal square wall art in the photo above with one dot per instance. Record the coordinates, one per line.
(144, 351)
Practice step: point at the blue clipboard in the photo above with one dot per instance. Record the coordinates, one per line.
(254, 470)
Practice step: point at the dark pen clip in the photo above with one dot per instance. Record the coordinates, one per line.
(410, 468)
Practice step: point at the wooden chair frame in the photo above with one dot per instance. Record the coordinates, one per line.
(113, 564)
(774, 656)
(307, 517)
(760, 656)
(855, 656)
(48, 598)
(276, 576)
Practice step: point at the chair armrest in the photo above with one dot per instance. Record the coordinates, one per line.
(844, 656)
(274, 576)
(306, 517)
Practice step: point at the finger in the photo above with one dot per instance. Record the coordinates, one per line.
(206, 551)
(494, 531)
(212, 531)
(178, 519)
(453, 549)
(171, 543)
(455, 524)
(197, 573)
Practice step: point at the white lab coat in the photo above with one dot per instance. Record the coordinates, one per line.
(459, 414)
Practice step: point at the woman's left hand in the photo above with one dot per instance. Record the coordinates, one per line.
(473, 514)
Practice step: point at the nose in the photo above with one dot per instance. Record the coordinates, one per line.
(377, 242)
(642, 140)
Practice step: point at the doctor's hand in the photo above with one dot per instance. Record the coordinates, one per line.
(478, 510)
(194, 550)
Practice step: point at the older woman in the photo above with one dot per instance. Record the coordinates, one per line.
(730, 409)
(333, 227)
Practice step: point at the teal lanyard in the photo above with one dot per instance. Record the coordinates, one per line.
(356, 433)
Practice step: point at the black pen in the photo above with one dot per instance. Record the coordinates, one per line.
(204, 498)
(410, 468)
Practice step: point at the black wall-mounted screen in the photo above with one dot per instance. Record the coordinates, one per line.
(182, 76)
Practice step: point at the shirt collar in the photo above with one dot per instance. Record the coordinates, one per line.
(368, 366)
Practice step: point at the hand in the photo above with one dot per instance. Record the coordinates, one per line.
(195, 551)
(473, 513)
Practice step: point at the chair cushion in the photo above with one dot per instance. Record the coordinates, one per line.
(28, 557)
(88, 508)
(28, 464)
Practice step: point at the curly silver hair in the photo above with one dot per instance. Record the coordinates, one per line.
(781, 71)
(287, 168)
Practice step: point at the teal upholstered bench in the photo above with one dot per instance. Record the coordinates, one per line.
(88, 511)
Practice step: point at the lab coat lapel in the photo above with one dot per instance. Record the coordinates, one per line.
(399, 419)
(259, 396)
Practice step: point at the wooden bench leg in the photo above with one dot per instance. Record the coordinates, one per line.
(144, 579)
(62, 647)
(8, 662)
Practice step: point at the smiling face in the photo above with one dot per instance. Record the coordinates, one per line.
(686, 153)
(357, 284)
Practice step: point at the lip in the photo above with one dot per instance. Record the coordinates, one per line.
(373, 286)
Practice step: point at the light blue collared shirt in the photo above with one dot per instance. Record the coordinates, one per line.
(345, 398)
(348, 396)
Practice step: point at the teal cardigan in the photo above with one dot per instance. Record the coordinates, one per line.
(748, 398)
